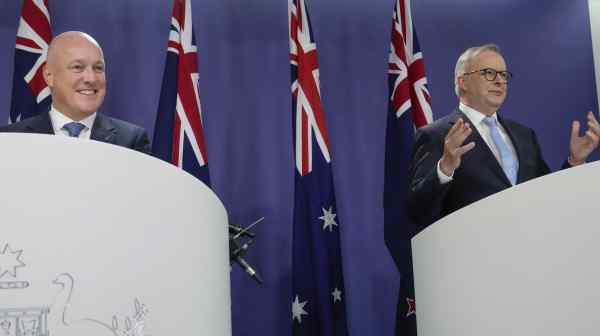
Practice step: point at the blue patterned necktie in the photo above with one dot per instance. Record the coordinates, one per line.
(507, 159)
(74, 128)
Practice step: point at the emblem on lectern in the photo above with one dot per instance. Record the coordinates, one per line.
(10, 261)
(55, 318)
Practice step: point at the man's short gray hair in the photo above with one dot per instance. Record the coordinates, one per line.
(465, 59)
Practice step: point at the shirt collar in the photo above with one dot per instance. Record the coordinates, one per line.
(475, 116)
(59, 119)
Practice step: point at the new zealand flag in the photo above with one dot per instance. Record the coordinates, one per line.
(409, 109)
(318, 298)
(30, 94)
(179, 133)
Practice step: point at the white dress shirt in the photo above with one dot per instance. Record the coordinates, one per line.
(476, 120)
(59, 120)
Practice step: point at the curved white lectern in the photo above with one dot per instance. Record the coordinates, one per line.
(101, 240)
(525, 261)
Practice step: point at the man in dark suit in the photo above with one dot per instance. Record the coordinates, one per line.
(473, 152)
(75, 74)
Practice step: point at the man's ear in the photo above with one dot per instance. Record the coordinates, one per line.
(461, 83)
(48, 76)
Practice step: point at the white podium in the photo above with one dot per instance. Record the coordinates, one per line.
(101, 240)
(525, 261)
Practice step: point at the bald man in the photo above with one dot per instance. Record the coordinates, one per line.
(75, 73)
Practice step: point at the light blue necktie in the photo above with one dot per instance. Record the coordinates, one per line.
(74, 128)
(507, 159)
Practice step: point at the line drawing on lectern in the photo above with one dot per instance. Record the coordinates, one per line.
(56, 316)
(132, 326)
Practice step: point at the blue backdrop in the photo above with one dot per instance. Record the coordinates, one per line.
(244, 87)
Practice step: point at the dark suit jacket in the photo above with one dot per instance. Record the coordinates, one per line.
(478, 176)
(105, 129)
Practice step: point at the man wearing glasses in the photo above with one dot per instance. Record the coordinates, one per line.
(473, 152)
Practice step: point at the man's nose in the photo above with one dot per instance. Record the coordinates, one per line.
(499, 81)
(89, 75)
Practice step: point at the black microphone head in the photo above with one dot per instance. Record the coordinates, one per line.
(239, 231)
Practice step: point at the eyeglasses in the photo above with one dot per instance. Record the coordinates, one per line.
(491, 74)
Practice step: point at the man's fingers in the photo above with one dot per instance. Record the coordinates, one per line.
(593, 126)
(591, 118)
(457, 125)
(575, 129)
(459, 136)
(591, 136)
(463, 149)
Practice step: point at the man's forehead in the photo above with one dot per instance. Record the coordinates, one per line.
(489, 57)
(77, 52)
(85, 60)
(73, 43)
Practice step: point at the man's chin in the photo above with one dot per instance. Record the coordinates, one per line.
(86, 111)
(497, 103)
(88, 107)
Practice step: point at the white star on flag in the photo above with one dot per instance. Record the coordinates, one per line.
(10, 261)
(298, 309)
(328, 219)
(337, 295)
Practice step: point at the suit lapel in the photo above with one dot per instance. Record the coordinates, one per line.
(481, 154)
(103, 129)
(40, 124)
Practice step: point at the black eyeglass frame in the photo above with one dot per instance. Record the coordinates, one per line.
(487, 72)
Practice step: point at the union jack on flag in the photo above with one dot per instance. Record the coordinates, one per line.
(30, 94)
(407, 69)
(179, 134)
(409, 109)
(318, 298)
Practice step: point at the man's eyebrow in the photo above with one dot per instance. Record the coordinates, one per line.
(81, 60)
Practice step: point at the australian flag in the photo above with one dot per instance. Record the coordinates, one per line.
(30, 94)
(409, 109)
(178, 132)
(318, 298)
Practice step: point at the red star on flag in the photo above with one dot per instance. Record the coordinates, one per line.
(412, 308)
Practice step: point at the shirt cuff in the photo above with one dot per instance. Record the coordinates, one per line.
(442, 177)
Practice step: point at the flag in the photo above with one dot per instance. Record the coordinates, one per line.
(30, 94)
(409, 109)
(318, 298)
(178, 132)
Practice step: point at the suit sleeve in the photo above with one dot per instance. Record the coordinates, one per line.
(141, 142)
(542, 166)
(426, 194)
